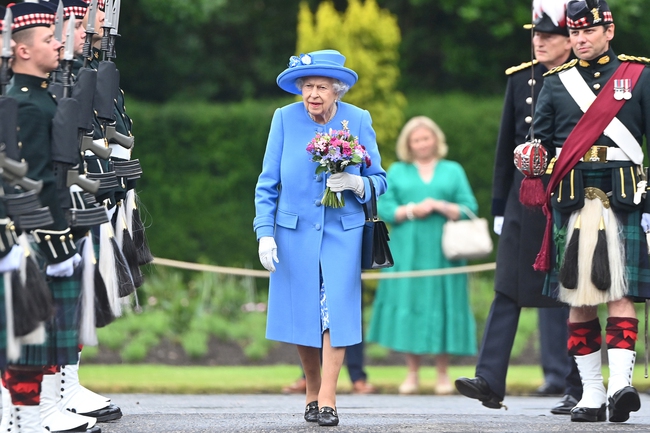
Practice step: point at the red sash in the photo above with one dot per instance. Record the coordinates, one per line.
(590, 126)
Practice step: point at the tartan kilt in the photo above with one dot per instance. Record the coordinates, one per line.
(61, 345)
(637, 263)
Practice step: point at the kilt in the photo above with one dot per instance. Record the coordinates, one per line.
(637, 264)
(61, 345)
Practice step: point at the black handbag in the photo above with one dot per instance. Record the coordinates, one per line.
(375, 252)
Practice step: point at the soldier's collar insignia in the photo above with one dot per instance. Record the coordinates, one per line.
(44, 85)
(604, 60)
(584, 63)
(96, 54)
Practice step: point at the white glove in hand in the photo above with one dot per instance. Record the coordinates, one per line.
(12, 260)
(645, 222)
(498, 224)
(268, 252)
(63, 269)
(341, 181)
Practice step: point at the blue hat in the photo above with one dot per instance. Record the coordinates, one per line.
(323, 63)
(76, 7)
(581, 14)
(28, 15)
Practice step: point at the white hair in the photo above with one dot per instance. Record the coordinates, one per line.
(339, 87)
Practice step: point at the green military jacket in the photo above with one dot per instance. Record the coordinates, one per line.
(36, 109)
(556, 113)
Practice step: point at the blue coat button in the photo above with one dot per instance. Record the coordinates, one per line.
(317, 226)
(317, 203)
(319, 178)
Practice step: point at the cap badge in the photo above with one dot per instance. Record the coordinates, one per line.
(596, 15)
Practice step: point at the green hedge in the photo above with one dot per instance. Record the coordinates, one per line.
(201, 163)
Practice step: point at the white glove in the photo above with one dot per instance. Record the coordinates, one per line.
(13, 259)
(498, 224)
(341, 181)
(645, 222)
(63, 269)
(268, 252)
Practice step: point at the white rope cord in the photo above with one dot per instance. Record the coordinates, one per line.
(372, 275)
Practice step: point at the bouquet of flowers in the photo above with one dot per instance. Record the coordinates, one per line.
(333, 151)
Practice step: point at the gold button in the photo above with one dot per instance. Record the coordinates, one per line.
(24, 89)
(597, 86)
(62, 238)
(528, 119)
(597, 74)
(20, 144)
(529, 100)
(48, 237)
(532, 82)
(53, 96)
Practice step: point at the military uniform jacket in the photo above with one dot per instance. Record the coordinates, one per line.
(557, 113)
(523, 228)
(36, 109)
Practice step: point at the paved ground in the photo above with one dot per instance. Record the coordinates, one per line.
(377, 413)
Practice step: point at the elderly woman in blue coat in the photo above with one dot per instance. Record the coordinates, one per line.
(313, 251)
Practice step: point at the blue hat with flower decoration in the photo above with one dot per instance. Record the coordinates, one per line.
(323, 63)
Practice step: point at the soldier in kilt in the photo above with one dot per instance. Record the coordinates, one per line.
(36, 54)
(592, 114)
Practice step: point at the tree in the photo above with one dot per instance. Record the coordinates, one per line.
(369, 38)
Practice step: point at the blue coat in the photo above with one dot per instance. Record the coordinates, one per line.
(313, 239)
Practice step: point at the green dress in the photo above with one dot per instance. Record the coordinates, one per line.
(429, 315)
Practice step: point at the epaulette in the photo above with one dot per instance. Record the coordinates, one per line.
(511, 70)
(626, 58)
(563, 67)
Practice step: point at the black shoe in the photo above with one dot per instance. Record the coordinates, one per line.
(327, 416)
(587, 414)
(478, 389)
(564, 406)
(623, 402)
(109, 413)
(311, 412)
(548, 390)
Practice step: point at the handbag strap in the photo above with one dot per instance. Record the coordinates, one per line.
(370, 207)
(467, 211)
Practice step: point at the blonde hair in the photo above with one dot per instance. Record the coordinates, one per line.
(402, 148)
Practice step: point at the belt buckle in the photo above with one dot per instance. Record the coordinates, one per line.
(596, 154)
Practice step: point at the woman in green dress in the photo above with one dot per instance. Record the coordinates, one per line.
(429, 315)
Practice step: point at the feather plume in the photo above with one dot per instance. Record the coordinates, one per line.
(555, 9)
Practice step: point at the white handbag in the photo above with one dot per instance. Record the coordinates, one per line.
(466, 239)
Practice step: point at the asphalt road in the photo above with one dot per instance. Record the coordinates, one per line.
(375, 413)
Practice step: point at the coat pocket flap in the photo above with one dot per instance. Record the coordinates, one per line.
(352, 220)
(286, 220)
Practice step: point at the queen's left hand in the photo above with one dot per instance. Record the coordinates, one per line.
(341, 181)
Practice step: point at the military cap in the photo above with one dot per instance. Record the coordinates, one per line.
(28, 15)
(70, 7)
(581, 14)
(549, 16)
(101, 4)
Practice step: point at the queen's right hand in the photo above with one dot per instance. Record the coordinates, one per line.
(268, 252)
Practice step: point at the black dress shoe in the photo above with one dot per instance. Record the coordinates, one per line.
(588, 414)
(327, 416)
(311, 412)
(564, 406)
(548, 390)
(623, 402)
(479, 389)
(109, 413)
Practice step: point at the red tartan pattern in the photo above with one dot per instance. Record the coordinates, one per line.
(31, 20)
(584, 337)
(621, 332)
(584, 22)
(78, 12)
(100, 3)
(24, 386)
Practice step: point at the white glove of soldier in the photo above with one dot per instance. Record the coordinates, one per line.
(12, 260)
(498, 224)
(63, 269)
(341, 181)
(645, 222)
(268, 252)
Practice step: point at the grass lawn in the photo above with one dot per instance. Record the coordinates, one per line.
(271, 379)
